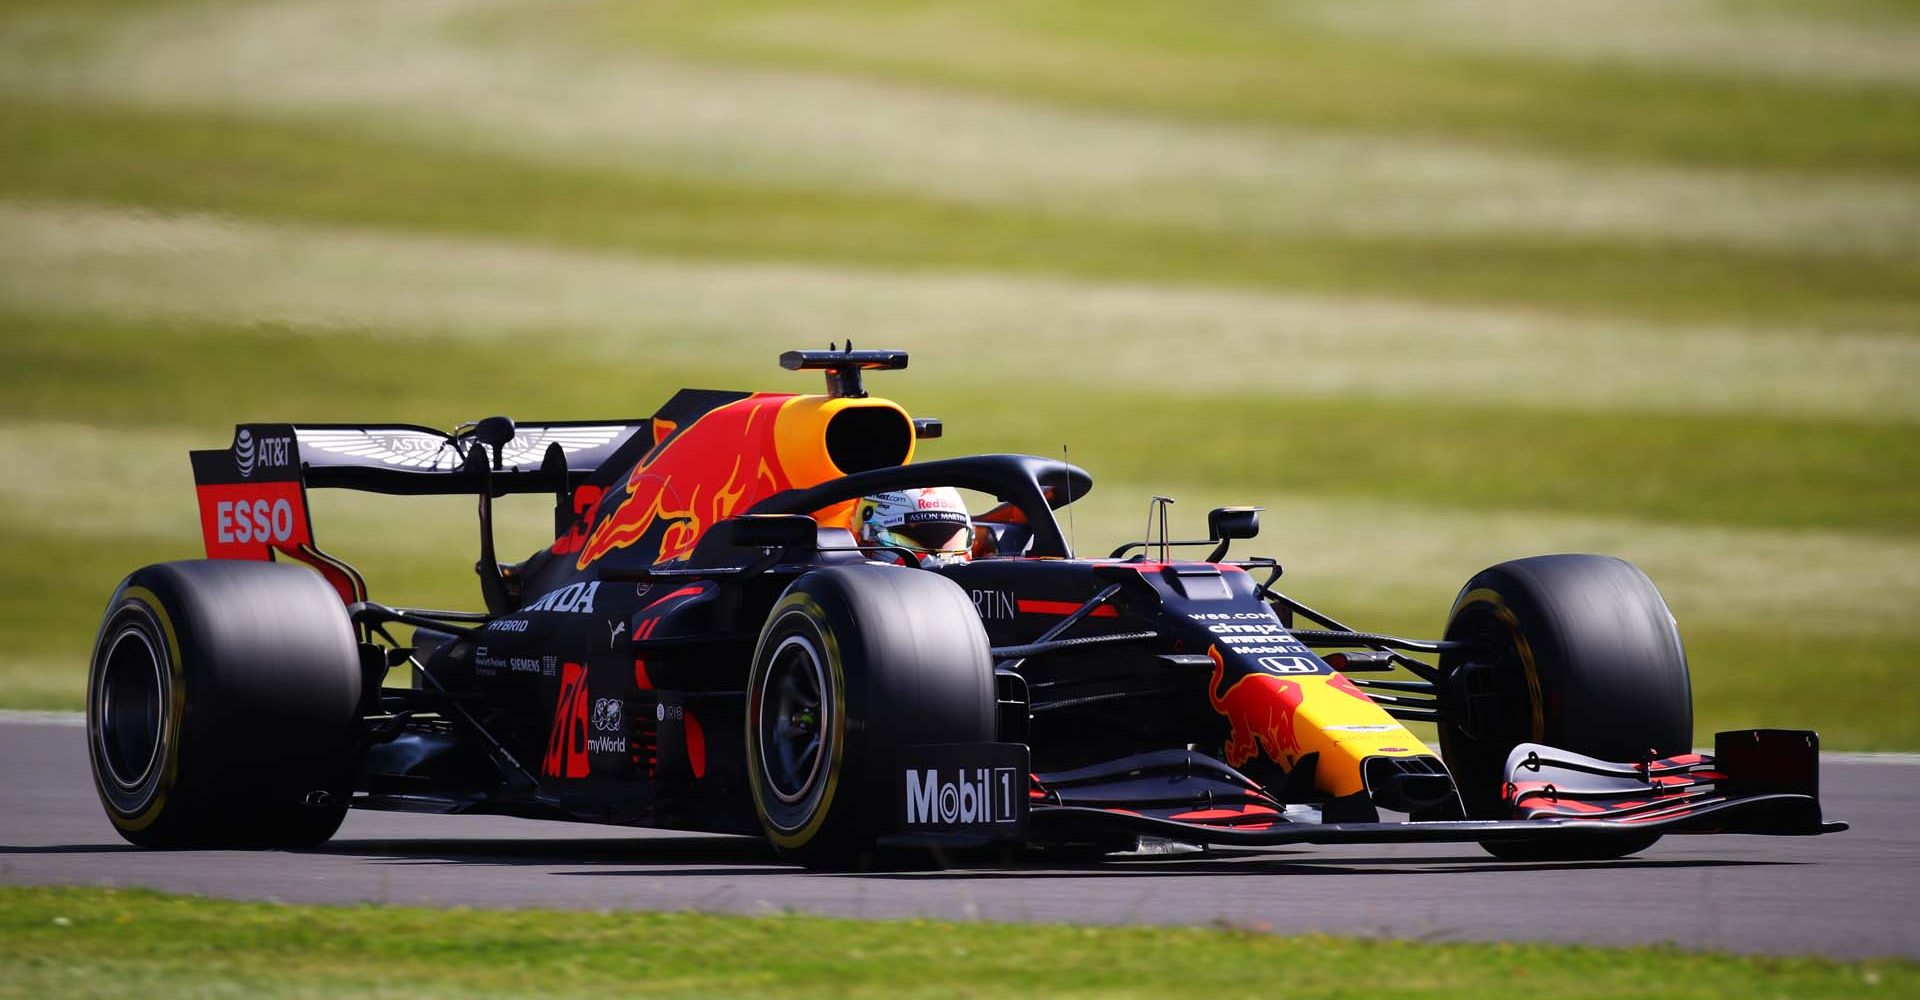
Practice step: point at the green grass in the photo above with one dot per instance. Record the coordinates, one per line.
(143, 373)
(337, 173)
(1682, 468)
(86, 942)
(1247, 62)
(1675, 468)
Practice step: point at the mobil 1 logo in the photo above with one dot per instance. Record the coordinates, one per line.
(976, 789)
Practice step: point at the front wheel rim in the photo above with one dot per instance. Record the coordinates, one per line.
(794, 720)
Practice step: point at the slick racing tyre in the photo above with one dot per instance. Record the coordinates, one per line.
(1577, 652)
(222, 706)
(855, 662)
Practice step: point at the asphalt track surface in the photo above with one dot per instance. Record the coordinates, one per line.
(1844, 895)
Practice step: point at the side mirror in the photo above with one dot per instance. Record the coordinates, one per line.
(793, 532)
(1234, 522)
(1228, 523)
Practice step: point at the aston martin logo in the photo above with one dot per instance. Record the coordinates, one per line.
(430, 451)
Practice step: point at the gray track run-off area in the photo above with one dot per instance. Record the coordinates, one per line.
(1844, 895)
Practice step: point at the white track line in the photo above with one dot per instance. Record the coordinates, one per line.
(1873, 758)
(17, 717)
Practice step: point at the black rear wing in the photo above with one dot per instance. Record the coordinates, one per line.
(411, 460)
(252, 493)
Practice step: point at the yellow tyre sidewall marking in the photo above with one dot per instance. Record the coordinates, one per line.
(1493, 599)
(170, 736)
(810, 610)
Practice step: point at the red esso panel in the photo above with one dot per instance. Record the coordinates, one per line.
(241, 521)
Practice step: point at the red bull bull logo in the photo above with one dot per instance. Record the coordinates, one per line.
(727, 459)
(1344, 684)
(1260, 709)
(713, 468)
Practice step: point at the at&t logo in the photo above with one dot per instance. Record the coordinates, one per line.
(243, 453)
(267, 452)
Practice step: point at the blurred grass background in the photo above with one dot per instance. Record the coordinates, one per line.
(1440, 283)
(74, 942)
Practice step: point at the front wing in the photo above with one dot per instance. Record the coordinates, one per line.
(1756, 782)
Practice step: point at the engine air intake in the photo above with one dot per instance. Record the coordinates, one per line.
(868, 437)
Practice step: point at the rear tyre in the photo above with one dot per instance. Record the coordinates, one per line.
(1582, 654)
(854, 663)
(222, 706)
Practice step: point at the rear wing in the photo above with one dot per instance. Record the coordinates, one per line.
(252, 494)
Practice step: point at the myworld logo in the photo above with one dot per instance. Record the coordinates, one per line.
(606, 714)
(973, 796)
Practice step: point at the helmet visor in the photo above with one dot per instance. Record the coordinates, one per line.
(928, 536)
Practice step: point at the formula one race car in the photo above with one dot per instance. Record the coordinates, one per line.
(716, 641)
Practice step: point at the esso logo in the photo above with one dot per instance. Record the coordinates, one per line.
(253, 521)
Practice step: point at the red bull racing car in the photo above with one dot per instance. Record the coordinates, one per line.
(724, 636)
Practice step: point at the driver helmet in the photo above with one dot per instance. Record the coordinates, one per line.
(932, 523)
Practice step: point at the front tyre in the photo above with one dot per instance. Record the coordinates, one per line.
(854, 663)
(1578, 652)
(222, 706)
